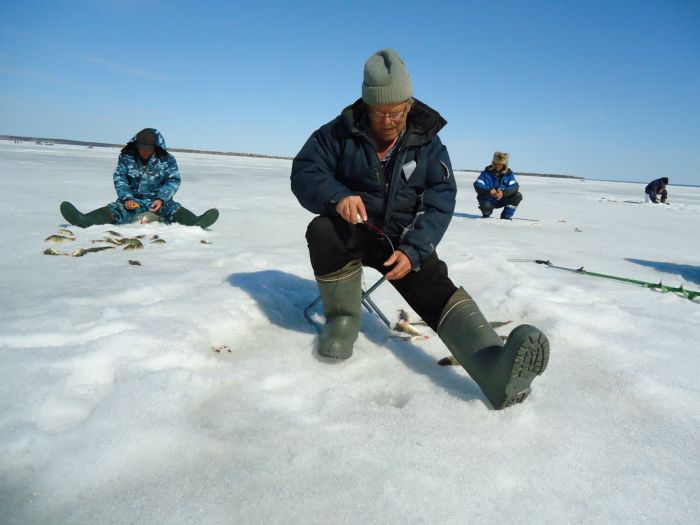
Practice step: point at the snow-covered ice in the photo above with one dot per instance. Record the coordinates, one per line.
(115, 406)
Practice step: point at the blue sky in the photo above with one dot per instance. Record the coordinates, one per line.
(607, 90)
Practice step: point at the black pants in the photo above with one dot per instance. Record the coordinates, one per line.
(333, 243)
(487, 202)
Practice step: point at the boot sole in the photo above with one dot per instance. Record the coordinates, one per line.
(530, 360)
(337, 354)
(208, 218)
(71, 214)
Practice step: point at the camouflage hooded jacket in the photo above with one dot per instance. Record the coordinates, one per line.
(159, 178)
(412, 199)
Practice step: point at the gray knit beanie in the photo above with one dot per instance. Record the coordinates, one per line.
(386, 79)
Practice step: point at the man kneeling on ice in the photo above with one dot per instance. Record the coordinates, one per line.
(146, 179)
(496, 187)
(381, 182)
(656, 191)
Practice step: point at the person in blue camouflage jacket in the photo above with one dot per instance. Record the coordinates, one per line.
(146, 179)
(496, 187)
(381, 183)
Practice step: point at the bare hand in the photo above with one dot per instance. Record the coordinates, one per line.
(402, 268)
(499, 194)
(350, 207)
(131, 205)
(156, 205)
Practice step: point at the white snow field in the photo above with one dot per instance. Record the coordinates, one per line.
(115, 406)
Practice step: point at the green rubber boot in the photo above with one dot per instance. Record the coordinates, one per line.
(187, 218)
(83, 220)
(504, 372)
(341, 292)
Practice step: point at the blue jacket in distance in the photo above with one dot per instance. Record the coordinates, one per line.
(413, 203)
(491, 179)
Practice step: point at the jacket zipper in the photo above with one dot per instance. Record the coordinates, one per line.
(389, 185)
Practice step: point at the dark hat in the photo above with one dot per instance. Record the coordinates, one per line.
(146, 139)
(664, 180)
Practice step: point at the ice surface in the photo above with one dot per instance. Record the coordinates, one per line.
(115, 406)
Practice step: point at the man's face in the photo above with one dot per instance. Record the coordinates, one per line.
(387, 121)
(499, 166)
(145, 154)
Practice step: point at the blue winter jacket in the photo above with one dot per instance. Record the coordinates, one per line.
(413, 204)
(159, 178)
(491, 179)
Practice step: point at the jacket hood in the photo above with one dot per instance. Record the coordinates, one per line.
(160, 143)
(422, 125)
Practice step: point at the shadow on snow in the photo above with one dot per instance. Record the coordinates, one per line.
(283, 297)
(467, 215)
(687, 272)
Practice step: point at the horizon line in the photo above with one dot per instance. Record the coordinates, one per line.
(74, 142)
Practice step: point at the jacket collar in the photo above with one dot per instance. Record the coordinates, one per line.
(493, 171)
(423, 123)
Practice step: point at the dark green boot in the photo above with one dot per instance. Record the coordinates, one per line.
(504, 372)
(341, 292)
(83, 220)
(186, 217)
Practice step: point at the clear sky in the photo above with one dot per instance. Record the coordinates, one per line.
(599, 89)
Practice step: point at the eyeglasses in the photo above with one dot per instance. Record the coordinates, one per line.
(377, 115)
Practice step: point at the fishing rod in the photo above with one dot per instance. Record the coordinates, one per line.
(688, 294)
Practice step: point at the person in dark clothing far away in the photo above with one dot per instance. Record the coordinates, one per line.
(656, 191)
(146, 179)
(381, 184)
(496, 187)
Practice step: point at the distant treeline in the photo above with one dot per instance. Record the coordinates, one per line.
(49, 141)
(519, 173)
(43, 140)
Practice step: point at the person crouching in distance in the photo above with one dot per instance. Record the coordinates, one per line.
(656, 191)
(496, 187)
